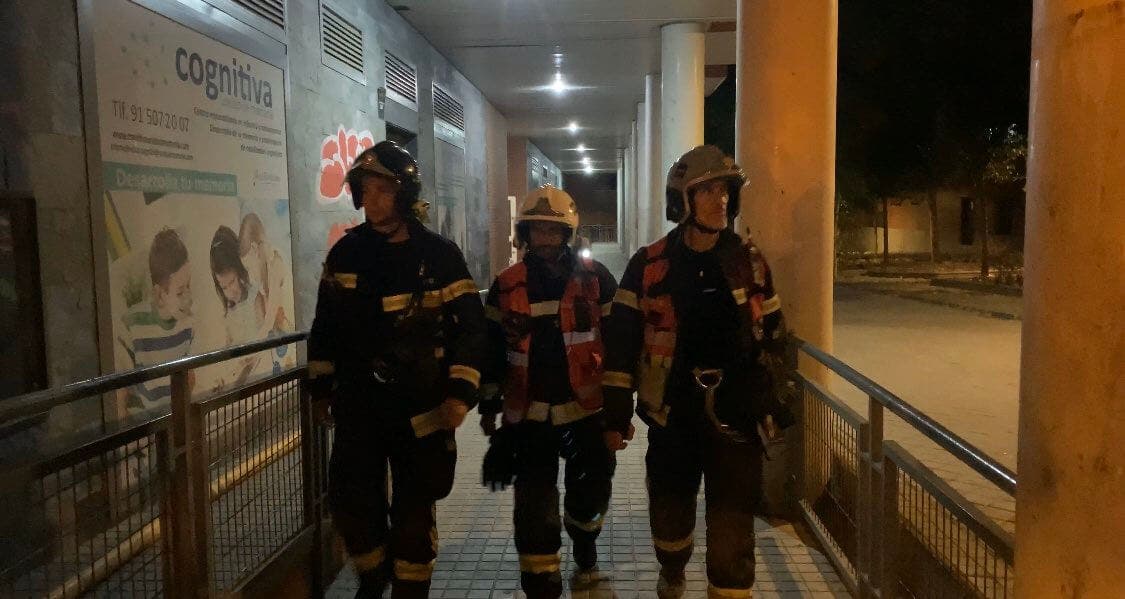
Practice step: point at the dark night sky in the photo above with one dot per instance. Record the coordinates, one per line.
(594, 192)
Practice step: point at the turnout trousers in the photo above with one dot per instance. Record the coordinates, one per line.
(390, 537)
(678, 457)
(588, 478)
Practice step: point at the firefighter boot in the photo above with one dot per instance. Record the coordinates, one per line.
(586, 574)
(671, 585)
(586, 555)
(371, 584)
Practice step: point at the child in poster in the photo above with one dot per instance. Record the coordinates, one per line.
(161, 329)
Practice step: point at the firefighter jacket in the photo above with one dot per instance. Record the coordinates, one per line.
(642, 343)
(399, 327)
(545, 339)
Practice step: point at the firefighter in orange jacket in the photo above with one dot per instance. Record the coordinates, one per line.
(545, 317)
(696, 331)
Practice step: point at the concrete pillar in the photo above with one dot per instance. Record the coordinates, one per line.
(1070, 504)
(621, 199)
(632, 186)
(786, 141)
(644, 165)
(625, 208)
(681, 91)
(517, 167)
(629, 201)
(657, 170)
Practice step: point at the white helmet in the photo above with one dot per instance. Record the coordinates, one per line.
(546, 204)
(699, 165)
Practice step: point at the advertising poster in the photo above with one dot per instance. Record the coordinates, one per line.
(196, 199)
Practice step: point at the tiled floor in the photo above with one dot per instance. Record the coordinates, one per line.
(478, 557)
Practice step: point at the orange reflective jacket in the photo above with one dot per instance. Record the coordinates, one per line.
(580, 321)
(748, 277)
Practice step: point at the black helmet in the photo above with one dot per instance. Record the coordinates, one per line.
(390, 160)
(698, 165)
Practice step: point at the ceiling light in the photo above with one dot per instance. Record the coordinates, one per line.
(558, 86)
(581, 147)
(573, 126)
(585, 160)
(589, 170)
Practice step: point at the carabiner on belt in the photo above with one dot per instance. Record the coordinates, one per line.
(709, 379)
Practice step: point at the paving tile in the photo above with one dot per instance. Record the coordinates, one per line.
(477, 557)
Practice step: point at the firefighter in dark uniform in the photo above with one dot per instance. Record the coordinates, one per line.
(394, 348)
(696, 331)
(545, 346)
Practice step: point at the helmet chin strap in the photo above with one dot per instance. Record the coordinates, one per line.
(701, 227)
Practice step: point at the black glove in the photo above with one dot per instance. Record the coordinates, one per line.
(581, 444)
(490, 400)
(499, 466)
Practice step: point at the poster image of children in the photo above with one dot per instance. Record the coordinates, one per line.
(162, 328)
(242, 314)
(270, 274)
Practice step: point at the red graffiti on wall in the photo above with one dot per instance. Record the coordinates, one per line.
(337, 152)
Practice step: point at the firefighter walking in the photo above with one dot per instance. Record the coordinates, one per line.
(695, 329)
(394, 350)
(545, 346)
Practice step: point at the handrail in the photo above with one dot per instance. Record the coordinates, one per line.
(968, 453)
(38, 402)
(965, 510)
(66, 452)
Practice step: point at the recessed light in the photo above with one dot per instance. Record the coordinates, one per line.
(573, 126)
(581, 147)
(558, 85)
(589, 170)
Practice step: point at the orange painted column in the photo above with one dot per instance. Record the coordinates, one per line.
(786, 142)
(1070, 503)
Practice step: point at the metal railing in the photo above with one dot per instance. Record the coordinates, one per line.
(890, 525)
(221, 496)
(598, 233)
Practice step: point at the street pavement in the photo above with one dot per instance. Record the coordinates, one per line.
(959, 367)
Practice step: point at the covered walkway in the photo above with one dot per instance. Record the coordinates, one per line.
(223, 494)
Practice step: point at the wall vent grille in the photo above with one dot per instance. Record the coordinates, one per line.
(270, 10)
(341, 43)
(402, 80)
(449, 109)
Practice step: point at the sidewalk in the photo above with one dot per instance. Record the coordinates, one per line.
(995, 305)
(477, 557)
(915, 269)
